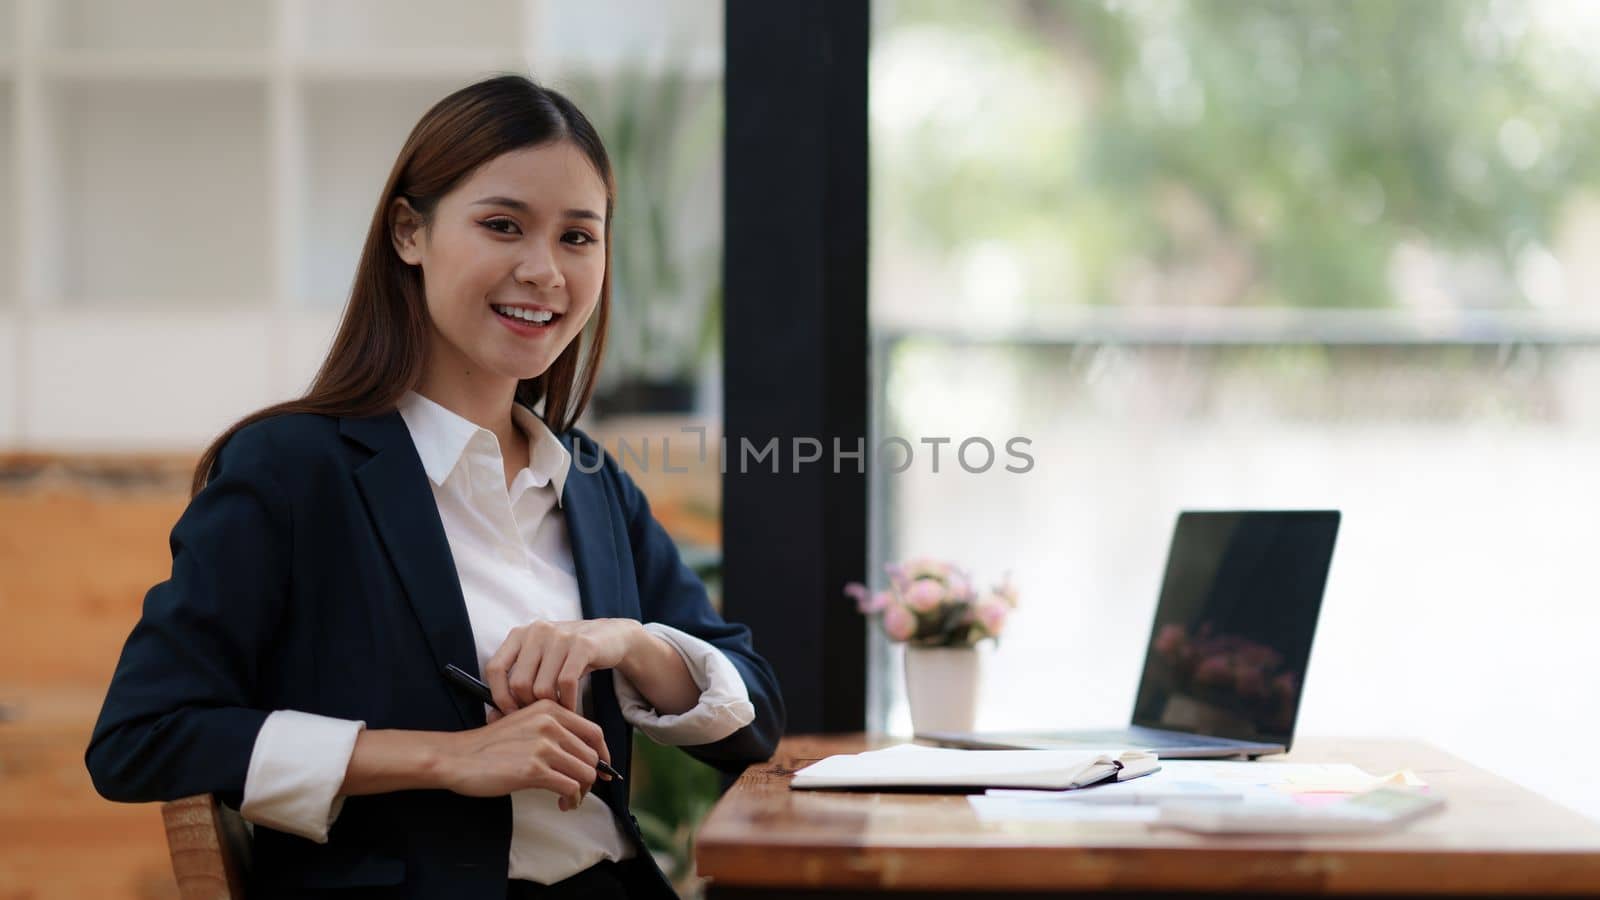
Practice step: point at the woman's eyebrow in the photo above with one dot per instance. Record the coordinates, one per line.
(518, 205)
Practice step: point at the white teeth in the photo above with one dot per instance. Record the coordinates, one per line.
(538, 316)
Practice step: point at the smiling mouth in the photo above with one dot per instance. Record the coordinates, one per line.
(529, 318)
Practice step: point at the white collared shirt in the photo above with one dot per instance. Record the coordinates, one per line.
(514, 560)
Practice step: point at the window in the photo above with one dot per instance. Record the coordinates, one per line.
(1232, 255)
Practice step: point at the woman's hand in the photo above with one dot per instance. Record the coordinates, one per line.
(543, 745)
(545, 660)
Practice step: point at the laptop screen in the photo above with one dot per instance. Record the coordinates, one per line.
(1233, 628)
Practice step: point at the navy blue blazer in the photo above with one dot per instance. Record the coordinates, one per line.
(313, 573)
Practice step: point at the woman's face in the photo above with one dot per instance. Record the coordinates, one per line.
(522, 236)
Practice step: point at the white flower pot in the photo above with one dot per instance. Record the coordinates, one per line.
(942, 687)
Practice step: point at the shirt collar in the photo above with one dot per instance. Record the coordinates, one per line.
(441, 437)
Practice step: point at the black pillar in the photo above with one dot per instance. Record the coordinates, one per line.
(795, 345)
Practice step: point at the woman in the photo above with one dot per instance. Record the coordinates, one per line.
(413, 511)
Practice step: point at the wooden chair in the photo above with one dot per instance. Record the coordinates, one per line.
(210, 848)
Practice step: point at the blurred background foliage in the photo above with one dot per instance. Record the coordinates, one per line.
(1356, 154)
(672, 792)
(662, 126)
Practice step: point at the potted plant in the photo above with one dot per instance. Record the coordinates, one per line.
(932, 606)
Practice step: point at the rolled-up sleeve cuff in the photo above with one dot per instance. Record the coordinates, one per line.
(297, 765)
(724, 705)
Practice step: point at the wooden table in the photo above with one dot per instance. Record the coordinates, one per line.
(1494, 838)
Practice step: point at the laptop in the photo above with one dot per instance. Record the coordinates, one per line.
(1226, 662)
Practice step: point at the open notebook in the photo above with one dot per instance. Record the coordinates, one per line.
(909, 766)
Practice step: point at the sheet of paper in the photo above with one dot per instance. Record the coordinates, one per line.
(1008, 809)
(1351, 782)
(1223, 781)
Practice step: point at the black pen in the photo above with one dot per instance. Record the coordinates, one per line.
(470, 683)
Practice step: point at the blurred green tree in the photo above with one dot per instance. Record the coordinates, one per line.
(1238, 152)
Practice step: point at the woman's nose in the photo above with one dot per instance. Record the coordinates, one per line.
(538, 267)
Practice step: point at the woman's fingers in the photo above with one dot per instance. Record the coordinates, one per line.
(586, 756)
(559, 758)
(585, 730)
(547, 683)
(563, 747)
(532, 721)
(540, 661)
(565, 787)
(536, 642)
(498, 670)
(579, 749)
(573, 669)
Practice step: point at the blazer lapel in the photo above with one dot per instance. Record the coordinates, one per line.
(406, 515)
(594, 551)
(595, 559)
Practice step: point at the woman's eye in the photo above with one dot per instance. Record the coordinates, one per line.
(579, 237)
(503, 226)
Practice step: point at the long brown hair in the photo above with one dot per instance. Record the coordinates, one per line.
(382, 341)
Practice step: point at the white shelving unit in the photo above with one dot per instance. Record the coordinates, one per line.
(185, 184)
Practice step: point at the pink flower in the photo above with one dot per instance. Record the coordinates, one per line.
(991, 613)
(926, 567)
(925, 594)
(936, 602)
(898, 622)
(866, 603)
(858, 591)
(960, 586)
(897, 576)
